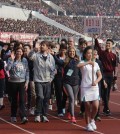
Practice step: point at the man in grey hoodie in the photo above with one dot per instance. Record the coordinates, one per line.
(44, 71)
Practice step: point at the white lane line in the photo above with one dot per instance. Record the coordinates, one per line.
(16, 126)
(72, 124)
(118, 91)
(111, 119)
(115, 103)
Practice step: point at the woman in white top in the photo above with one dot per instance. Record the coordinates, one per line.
(91, 75)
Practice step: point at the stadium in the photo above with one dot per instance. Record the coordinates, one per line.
(62, 32)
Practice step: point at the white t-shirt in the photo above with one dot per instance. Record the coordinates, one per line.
(87, 74)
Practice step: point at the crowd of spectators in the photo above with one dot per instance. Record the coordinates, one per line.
(75, 7)
(34, 5)
(30, 4)
(80, 7)
(110, 27)
(30, 26)
(73, 23)
(90, 7)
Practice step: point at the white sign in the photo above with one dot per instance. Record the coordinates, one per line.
(25, 37)
(93, 25)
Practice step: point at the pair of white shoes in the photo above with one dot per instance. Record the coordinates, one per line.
(41, 119)
(91, 126)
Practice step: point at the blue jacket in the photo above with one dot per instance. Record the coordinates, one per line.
(18, 70)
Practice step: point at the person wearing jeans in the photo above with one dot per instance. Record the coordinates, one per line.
(43, 91)
(44, 71)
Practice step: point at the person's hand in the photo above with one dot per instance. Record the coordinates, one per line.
(91, 63)
(94, 83)
(51, 52)
(37, 47)
(26, 86)
(105, 84)
(12, 56)
(5, 47)
(55, 71)
(115, 87)
(95, 36)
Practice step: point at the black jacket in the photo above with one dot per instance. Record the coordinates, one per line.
(74, 78)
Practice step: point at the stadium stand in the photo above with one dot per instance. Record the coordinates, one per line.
(110, 27)
(90, 7)
(30, 26)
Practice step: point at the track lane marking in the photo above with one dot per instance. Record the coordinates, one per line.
(73, 124)
(16, 126)
(111, 119)
(115, 103)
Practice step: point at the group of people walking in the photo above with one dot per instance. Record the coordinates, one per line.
(83, 73)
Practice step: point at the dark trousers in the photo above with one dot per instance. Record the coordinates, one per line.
(2, 87)
(6, 91)
(58, 82)
(52, 89)
(82, 105)
(17, 94)
(43, 91)
(29, 96)
(106, 92)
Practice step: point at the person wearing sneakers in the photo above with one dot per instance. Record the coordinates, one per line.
(44, 71)
(82, 44)
(91, 75)
(109, 62)
(71, 80)
(102, 82)
(58, 81)
(18, 83)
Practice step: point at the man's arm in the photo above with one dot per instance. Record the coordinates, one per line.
(97, 46)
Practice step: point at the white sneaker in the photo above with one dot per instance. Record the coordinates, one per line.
(37, 119)
(63, 110)
(60, 115)
(45, 119)
(93, 125)
(50, 107)
(13, 119)
(89, 128)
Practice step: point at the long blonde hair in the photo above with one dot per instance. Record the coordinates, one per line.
(67, 59)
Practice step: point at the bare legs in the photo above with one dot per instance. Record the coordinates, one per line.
(91, 109)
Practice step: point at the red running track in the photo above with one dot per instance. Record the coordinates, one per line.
(108, 125)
